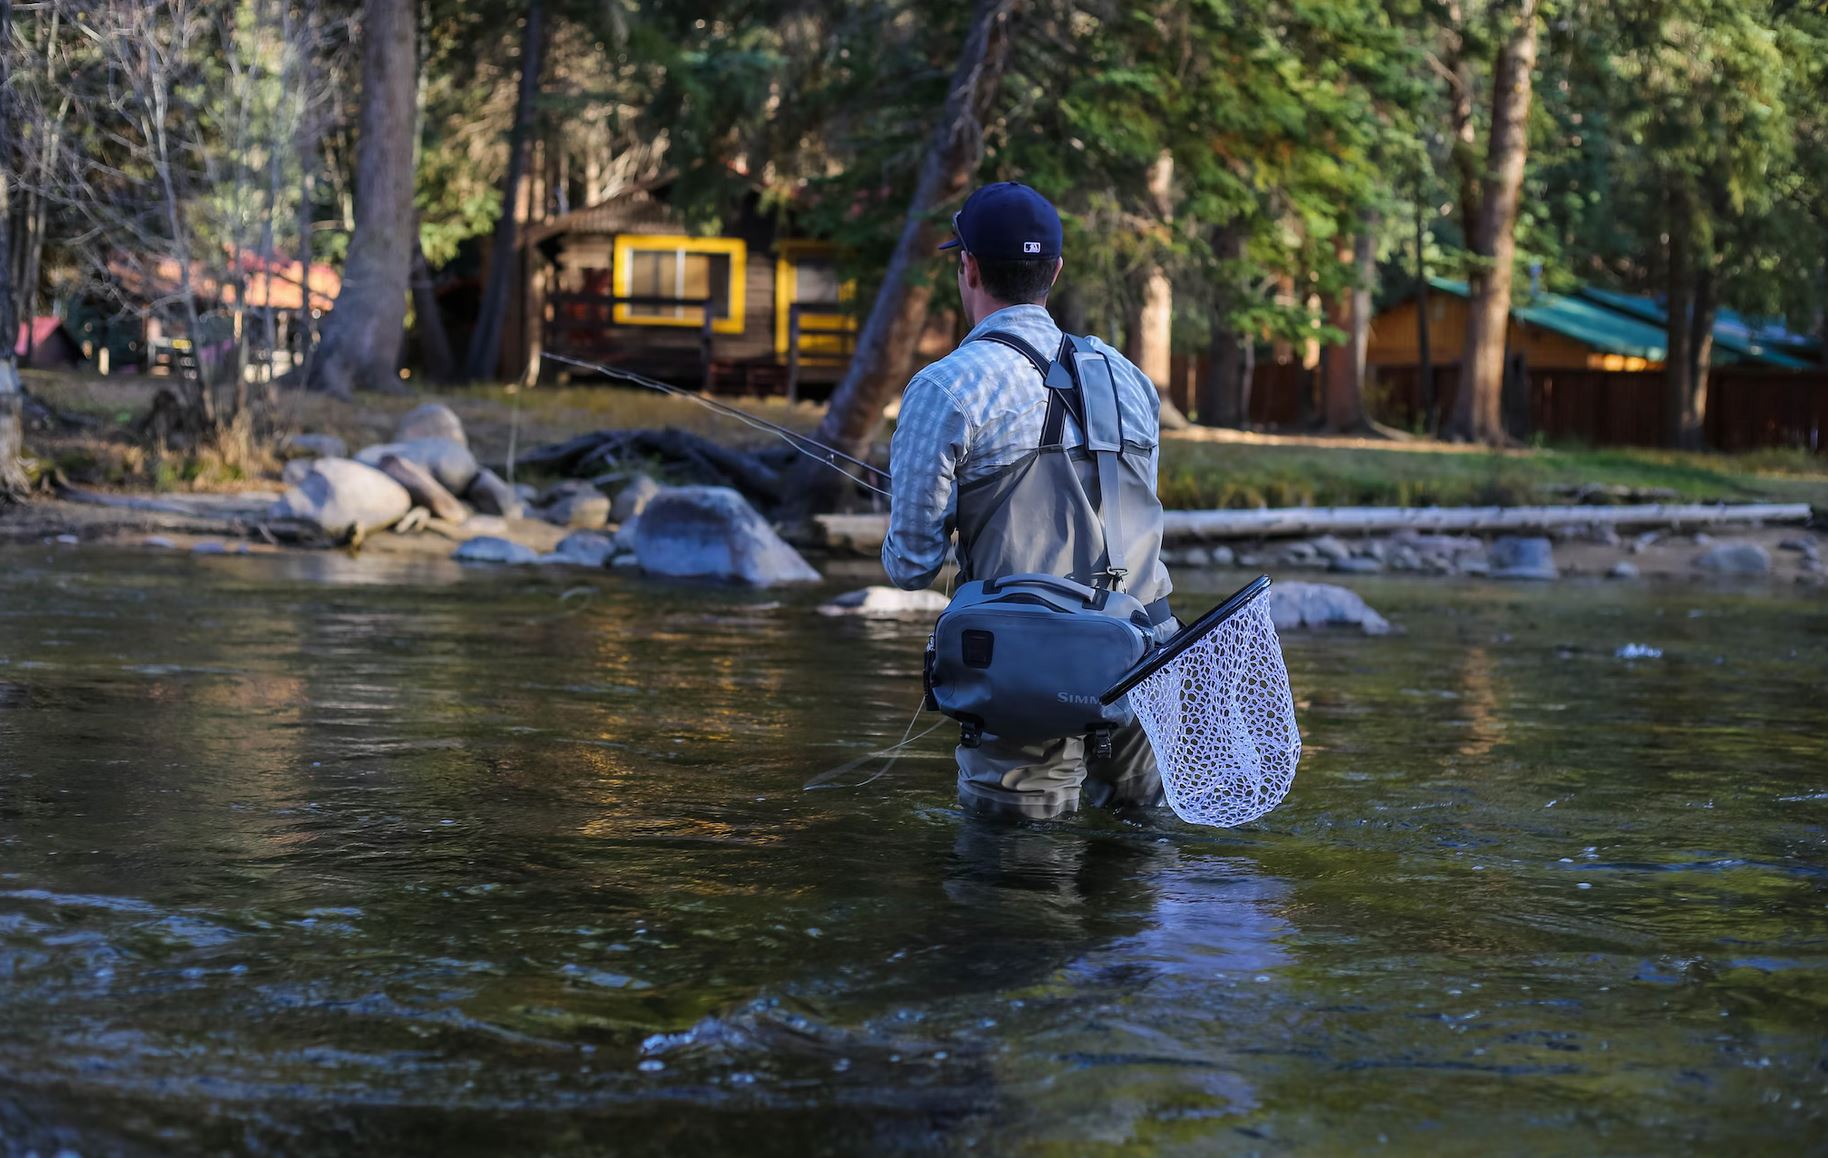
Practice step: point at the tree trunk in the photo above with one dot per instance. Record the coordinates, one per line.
(1344, 376)
(1680, 307)
(1150, 336)
(305, 147)
(1423, 343)
(1493, 240)
(1222, 389)
(885, 347)
(1701, 357)
(491, 315)
(12, 399)
(434, 342)
(1464, 150)
(360, 348)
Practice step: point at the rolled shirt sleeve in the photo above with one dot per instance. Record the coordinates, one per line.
(924, 455)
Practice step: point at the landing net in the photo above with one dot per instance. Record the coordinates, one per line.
(1216, 705)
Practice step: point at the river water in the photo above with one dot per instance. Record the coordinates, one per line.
(308, 854)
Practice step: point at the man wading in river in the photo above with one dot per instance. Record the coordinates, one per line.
(985, 448)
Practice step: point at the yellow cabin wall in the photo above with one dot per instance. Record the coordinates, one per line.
(1393, 341)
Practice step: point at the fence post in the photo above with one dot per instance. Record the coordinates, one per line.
(793, 352)
(704, 349)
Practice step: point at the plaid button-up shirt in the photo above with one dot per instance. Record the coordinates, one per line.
(974, 412)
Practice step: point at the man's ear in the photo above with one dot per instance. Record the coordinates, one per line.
(1059, 264)
(973, 277)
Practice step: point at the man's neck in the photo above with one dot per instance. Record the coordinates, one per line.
(996, 307)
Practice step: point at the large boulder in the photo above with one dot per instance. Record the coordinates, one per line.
(632, 499)
(1522, 557)
(433, 420)
(711, 532)
(338, 495)
(490, 495)
(489, 549)
(885, 603)
(1294, 605)
(577, 504)
(449, 461)
(1735, 559)
(424, 489)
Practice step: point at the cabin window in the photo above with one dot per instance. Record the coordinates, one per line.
(680, 271)
(806, 275)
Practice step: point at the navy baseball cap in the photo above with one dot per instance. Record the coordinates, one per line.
(1007, 221)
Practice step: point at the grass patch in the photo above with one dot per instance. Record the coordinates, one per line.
(1201, 474)
(1205, 470)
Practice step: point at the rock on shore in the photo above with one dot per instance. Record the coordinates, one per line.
(713, 533)
(338, 494)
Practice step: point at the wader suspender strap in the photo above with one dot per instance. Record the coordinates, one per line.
(1104, 438)
(1062, 393)
(1080, 379)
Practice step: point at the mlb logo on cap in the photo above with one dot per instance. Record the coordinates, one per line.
(1007, 221)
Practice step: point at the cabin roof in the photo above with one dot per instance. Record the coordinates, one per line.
(1586, 322)
(36, 332)
(1752, 341)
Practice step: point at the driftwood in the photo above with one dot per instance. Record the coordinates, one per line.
(864, 533)
(425, 490)
(601, 452)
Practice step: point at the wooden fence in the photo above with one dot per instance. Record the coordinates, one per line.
(1748, 408)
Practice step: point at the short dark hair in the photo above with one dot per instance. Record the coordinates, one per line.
(1023, 281)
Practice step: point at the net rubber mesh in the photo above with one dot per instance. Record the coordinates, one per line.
(1221, 720)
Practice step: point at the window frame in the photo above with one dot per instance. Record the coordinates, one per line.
(788, 255)
(622, 272)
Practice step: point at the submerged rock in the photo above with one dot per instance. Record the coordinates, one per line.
(711, 532)
(586, 549)
(885, 603)
(432, 420)
(1623, 570)
(1522, 557)
(1295, 605)
(1735, 559)
(489, 549)
(449, 461)
(339, 494)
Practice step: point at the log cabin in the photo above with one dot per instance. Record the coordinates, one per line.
(624, 281)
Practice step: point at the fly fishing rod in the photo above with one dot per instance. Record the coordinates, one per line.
(810, 447)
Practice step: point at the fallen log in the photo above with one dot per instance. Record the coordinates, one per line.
(425, 490)
(864, 533)
(700, 458)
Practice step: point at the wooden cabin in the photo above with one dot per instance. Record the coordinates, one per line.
(625, 282)
(1550, 331)
(44, 343)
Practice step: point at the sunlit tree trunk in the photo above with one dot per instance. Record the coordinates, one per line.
(1492, 238)
(886, 344)
(12, 399)
(491, 315)
(360, 347)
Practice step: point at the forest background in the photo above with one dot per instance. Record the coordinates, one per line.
(1282, 165)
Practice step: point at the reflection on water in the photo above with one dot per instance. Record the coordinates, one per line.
(306, 853)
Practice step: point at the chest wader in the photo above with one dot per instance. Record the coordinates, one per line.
(1047, 606)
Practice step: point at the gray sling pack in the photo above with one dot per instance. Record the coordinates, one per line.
(1024, 657)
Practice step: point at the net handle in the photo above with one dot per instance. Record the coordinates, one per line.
(1185, 638)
